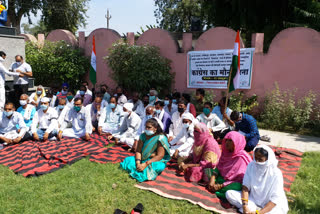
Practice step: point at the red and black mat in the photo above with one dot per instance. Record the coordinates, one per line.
(171, 185)
(38, 158)
(114, 154)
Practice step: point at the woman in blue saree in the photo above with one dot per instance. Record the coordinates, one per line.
(152, 154)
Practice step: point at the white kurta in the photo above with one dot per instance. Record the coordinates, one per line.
(62, 114)
(176, 125)
(8, 126)
(109, 120)
(81, 123)
(48, 120)
(213, 122)
(183, 142)
(128, 130)
(4, 71)
(265, 184)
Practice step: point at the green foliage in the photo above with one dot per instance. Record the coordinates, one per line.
(282, 109)
(64, 14)
(56, 62)
(35, 29)
(139, 68)
(241, 103)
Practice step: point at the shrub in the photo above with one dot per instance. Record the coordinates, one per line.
(239, 102)
(282, 109)
(139, 68)
(56, 62)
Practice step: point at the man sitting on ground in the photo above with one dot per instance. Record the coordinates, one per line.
(95, 111)
(224, 113)
(84, 96)
(214, 124)
(80, 119)
(128, 130)
(138, 107)
(26, 110)
(10, 120)
(45, 122)
(163, 116)
(247, 126)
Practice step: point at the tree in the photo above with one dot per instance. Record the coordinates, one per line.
(17, 9)
(250, 16)
(177, 15)
(64, 14)
(56, 14)
(34, 29)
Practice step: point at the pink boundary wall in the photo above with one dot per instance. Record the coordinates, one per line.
(292, 59)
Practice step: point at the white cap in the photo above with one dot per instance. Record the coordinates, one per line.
(188, 116)
(45, 100)
(128, 106)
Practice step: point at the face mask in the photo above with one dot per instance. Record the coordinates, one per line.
(261, 163)
(152, 98)
(77, 108)
(186, 125)
(125, 114)
(112, 105)
(64, 92)
(206, 111)
(145, 102)
(149, 132)
(82, 93)
(39, 92)
(69, 97)
(148, 117)
(166, 102)
(18, 63)
(158, 111)
(181, 110)
(174, 101)
(23, 102)
(8, 113)
(103, 90)
(44, 107)
(60, 107)
(119, 94)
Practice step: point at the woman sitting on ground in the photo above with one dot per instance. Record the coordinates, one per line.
(152, 154)
(262, 186)
(205, 155)
(232, 165)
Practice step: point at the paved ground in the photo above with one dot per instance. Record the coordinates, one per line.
(293, 141)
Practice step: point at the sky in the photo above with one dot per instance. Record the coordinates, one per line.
(127, 15)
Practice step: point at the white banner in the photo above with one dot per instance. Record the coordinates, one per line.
(210, 69)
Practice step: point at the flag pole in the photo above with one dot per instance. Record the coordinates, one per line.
(227, 96)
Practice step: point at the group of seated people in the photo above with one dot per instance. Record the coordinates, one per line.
(159, 130)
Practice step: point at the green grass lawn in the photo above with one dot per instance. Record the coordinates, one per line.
(86, 187)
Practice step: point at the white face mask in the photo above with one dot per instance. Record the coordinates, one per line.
(23, 102)
(186, 125)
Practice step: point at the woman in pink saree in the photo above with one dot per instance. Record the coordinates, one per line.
(205, 154)
(229, 173)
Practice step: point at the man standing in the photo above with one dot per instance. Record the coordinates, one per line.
(20, 84)
(4, 71)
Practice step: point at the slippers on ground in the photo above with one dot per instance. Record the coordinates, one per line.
(138, 209)
(118, 211)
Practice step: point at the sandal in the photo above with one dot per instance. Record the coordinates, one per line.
(138, 209)
(118, 211)
(265, 138)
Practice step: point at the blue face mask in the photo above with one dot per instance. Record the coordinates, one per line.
(39, 92)
(112, 105)
(82, 93)
(148, 116)
(206, 111)
(186, 125)
(149, 132)
(77, 108)
(174, 101)
(152, 98)
(60, 107)
(8, 113)
(44, 107)
(166, 102)
(158, 111)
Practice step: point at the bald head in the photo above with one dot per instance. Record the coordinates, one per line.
(150, 110)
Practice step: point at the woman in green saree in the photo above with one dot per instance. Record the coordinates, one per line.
(152, 154)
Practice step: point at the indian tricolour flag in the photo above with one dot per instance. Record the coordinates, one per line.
(93, 66)
(235, 66)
